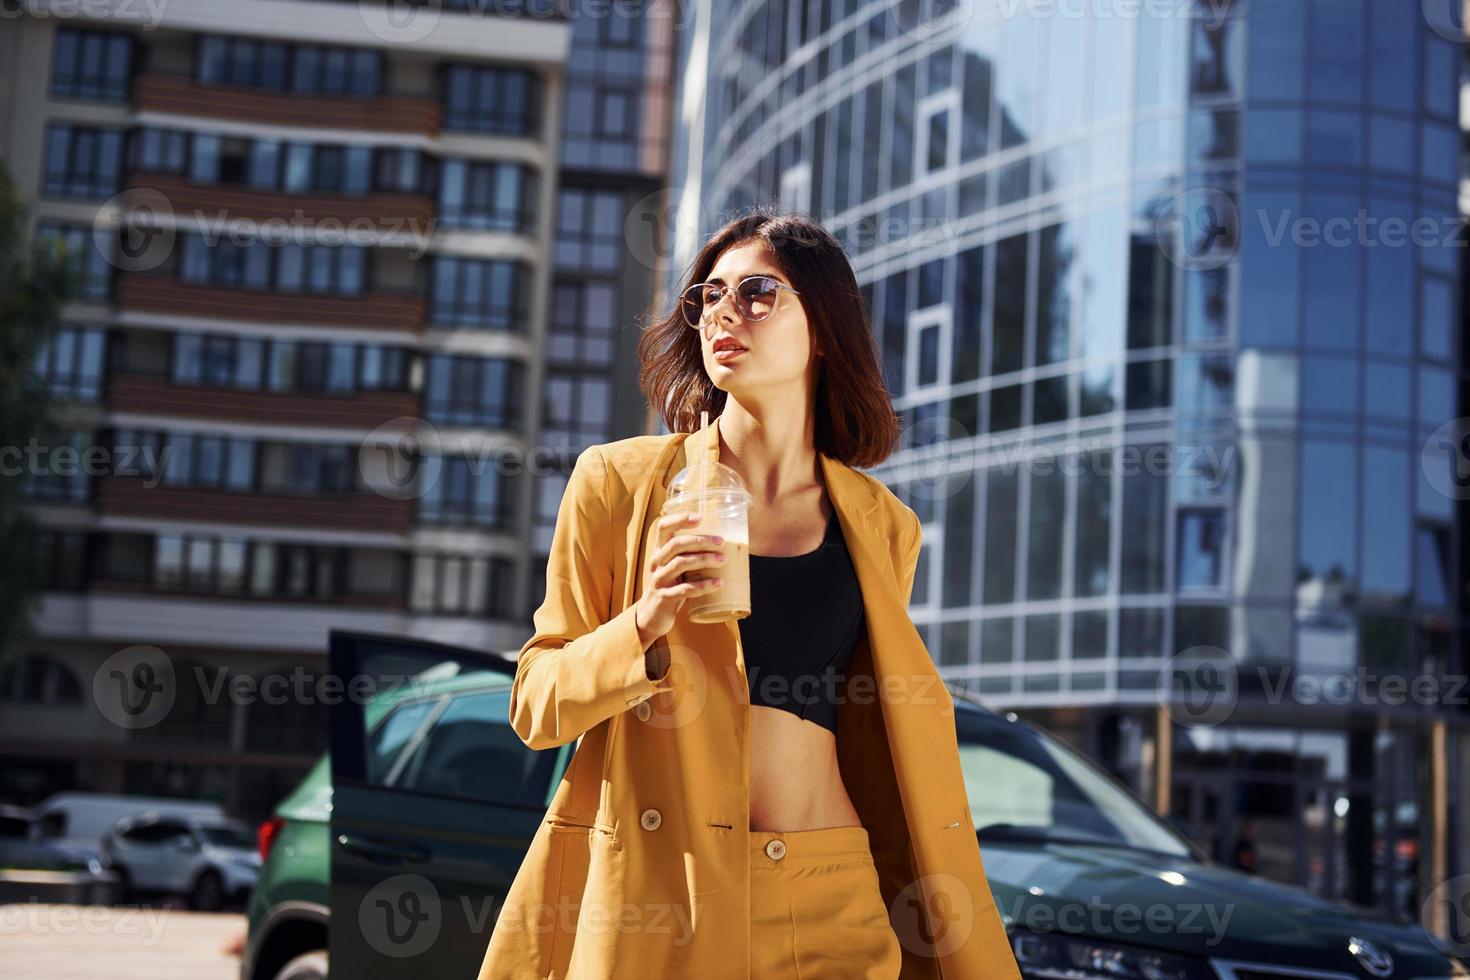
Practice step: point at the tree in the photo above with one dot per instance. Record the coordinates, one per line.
(34, 283)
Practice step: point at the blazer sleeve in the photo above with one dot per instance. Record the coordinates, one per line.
(913, 540)
(583, 664)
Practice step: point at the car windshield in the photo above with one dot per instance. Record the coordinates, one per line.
(1023, 786)
(221, 836)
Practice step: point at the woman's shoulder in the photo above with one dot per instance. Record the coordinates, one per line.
(631, 459)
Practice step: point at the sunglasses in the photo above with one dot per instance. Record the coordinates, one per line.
(755, 299)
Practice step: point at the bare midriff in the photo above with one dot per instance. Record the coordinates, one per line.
(794, 780)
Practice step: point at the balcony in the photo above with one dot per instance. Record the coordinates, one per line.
(133, 497)
(153, 293)
(179, 95)
(395, 214)
(148, 395)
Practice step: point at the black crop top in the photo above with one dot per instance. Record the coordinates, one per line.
(798, 640)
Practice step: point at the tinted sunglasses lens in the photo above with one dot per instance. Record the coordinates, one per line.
(696, 300)
(758, 297)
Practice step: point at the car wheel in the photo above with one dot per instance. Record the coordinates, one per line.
(307, 966)
(208, 894)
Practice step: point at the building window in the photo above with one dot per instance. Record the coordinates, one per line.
(476, 391)
(491, 196)
(1200, 547)
(200, 564)
(82, 162)
(290, 268)
(490, 100)
(38, 679)
(583, 315)
(307, 470)
(488, 293)
(184, 460)
(61, 474)
(577, 409)
(158, 151)
(78, 247)
(460, 585)
(589, 230)
(92, 65)
(70, 362)
(304, 69)
(461, 490)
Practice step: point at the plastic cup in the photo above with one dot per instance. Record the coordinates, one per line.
(718, 495)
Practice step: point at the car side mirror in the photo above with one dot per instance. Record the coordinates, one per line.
(187, 844)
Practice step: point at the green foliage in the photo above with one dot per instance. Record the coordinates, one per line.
(33, 287)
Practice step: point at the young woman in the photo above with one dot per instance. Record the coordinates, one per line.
(778, 797)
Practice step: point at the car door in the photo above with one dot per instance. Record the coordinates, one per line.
(144, 849)
(434, 803)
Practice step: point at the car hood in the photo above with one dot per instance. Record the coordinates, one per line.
(1182, 906)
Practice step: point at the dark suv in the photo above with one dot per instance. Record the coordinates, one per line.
(408, 843)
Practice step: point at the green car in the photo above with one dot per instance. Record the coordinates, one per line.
(388, 860)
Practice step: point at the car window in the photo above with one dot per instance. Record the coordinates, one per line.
(1022, 784)
(473, 753)
(226, 836)
(156, 832)
(14, 828)
(392, 736)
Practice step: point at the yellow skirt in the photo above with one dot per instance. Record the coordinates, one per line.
(816, 911)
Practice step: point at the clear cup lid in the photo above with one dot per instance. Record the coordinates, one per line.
(707, 477)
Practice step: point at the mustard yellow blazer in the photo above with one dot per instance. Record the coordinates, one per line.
(640, 867)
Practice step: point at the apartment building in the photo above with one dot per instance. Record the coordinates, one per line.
(342, 329)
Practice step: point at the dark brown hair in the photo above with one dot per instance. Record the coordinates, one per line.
(854, 420)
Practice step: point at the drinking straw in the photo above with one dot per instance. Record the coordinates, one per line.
(704, 464)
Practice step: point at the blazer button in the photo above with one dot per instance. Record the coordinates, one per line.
(651, 819)
(776, 850)
(642, 711)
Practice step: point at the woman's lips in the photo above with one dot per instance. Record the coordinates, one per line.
(729, 353)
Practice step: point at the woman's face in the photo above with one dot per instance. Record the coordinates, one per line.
(778, 349)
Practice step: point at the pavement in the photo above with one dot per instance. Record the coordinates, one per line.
(124, 942)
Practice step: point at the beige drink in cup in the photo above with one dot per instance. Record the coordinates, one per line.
(718, 495)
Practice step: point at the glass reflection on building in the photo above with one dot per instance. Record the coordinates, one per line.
(1146, 291)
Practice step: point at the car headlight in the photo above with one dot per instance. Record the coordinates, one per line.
(1059, 956)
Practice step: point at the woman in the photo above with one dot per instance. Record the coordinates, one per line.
(778, 797)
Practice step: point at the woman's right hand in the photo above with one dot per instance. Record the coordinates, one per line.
(682, 554)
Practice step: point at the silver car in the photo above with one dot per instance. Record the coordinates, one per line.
(210, 861)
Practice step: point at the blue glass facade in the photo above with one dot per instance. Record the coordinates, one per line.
(1172, 304)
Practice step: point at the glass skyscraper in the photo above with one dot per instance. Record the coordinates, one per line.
(1170, 296)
